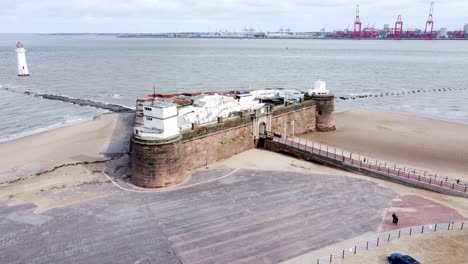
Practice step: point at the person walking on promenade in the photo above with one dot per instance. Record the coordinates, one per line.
(395, 218)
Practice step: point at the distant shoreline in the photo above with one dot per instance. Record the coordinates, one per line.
(185, 36)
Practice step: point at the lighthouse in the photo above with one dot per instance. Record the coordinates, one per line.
(21, 55)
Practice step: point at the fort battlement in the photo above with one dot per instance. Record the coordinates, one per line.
(163, 162)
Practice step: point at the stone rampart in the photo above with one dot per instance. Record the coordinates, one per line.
(298, 118)
(156, 163)
(221, 144)
(203, 131)
(163, 163)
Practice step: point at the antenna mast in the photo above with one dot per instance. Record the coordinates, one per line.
(154, 94)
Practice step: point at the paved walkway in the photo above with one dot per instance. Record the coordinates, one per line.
(249, 217)
(413, 210)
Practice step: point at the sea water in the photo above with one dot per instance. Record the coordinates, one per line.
(118, 70)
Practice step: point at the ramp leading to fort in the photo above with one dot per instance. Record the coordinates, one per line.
(310, 152)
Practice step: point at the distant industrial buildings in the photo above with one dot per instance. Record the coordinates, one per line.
(443, 33)
(398, 32)
(357, 32)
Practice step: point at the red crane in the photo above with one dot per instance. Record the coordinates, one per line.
(398, 31)
(357, 25)
(429, 23)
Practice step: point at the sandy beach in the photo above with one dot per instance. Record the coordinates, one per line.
(421, 143)
(62, 160)
(84, 142)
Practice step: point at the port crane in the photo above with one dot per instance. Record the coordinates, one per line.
(429, 24)
(398, 30)
(357, 25)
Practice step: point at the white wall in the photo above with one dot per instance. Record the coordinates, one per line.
(168, 127)
(159, 111)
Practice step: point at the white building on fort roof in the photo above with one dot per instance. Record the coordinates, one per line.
(159, 121)
(163, 120)
(320, 88)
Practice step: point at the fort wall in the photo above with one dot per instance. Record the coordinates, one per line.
(158, 164)
(206, 145)
(298, 119)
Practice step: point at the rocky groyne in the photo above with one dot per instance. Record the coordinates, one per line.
(82, 102)
(396, 93)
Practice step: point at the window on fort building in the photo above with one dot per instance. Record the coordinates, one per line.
(149, 118)
(319, 112)
(147, 109)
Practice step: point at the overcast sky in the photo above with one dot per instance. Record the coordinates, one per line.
(47, 16)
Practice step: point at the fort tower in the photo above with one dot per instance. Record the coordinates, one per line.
(325, 107)
(157, 157)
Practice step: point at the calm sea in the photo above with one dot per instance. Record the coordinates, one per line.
(117, 70)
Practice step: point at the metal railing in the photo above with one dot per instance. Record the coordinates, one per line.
(363, 161)
(385, 238)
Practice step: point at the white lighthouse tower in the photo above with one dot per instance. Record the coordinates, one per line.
(21, 55)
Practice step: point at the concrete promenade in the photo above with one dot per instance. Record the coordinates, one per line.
(252, 216)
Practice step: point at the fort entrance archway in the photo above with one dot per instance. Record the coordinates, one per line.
(262, 129)
(261, 122)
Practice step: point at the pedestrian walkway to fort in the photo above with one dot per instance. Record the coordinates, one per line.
(335, 157)
(252, 216)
